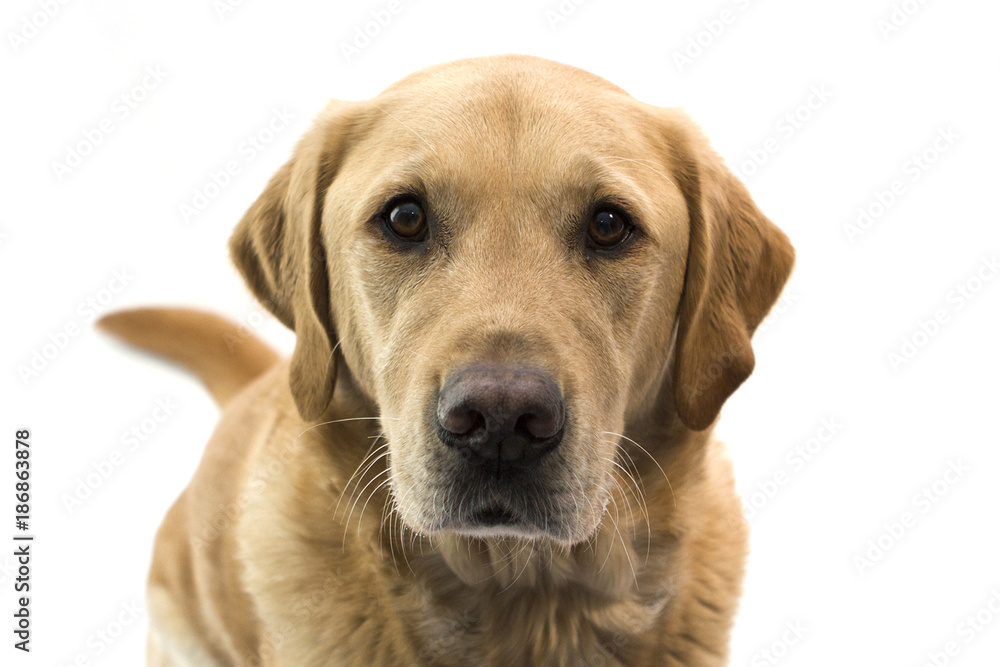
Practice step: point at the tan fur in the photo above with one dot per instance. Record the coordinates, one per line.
(315, 531)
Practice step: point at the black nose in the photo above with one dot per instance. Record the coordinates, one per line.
(504, 418)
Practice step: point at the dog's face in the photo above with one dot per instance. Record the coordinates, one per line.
(514, 259)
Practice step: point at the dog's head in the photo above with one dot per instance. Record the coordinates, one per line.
(513, 258)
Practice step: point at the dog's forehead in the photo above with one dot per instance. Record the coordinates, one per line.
(527, 110)
(496, 125)
(471, 76)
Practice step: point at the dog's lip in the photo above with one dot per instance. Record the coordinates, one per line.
(494, 518)
(491, 516)
(502, 520)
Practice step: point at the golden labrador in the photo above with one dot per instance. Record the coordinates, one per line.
(521, 298)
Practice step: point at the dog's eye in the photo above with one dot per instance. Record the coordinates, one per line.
(608, 228)
(406, 220)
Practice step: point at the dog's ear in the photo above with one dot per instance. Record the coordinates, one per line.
(738, 262)
(279, 248)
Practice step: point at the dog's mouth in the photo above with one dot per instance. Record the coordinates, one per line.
(492, 516)
(494, 519)
(487, 509)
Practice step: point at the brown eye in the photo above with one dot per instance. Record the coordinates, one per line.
(406, 220)
(608, 227)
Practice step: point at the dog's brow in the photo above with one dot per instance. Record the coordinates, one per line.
(611, 176)
(648, 164)
(405, 178)
(407, 127)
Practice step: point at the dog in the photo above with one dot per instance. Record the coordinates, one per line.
(520, 299)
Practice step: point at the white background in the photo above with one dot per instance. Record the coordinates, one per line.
(826, 356)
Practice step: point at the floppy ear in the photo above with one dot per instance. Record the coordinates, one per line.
(279, 249)
(738, 262)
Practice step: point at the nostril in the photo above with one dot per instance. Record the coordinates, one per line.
(471, 421)
(523, 427)
(542, 424)
(460, 420)
(477, 421)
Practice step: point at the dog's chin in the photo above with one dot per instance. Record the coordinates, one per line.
(501, 522)
(520, 532)
(496, 521)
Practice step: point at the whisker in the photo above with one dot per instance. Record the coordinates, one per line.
(386, 514)
(646, 452)
(347, 523)
(371, 495)
(627, 556)
(614, 523)
(348, 419)
(334, 350)
(384, 453)
(414, 535)
(392, 548)
(641, 489)
(640, 495)
(527, 560)
(629, 514)
(576, 498)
